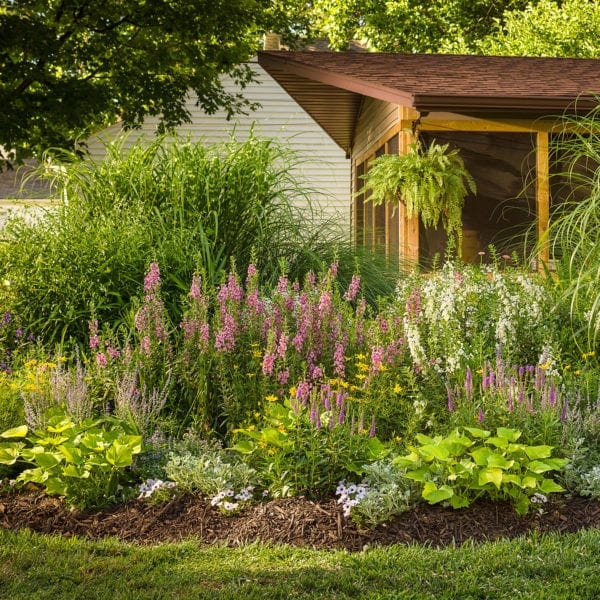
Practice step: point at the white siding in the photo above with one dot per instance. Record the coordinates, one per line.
(375, 119)
(323, 167)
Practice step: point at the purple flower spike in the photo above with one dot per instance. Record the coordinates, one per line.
(372, 430)
(480, 415)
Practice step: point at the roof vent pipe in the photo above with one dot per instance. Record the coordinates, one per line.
(272, 41)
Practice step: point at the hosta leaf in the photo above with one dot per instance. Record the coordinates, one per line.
(433, 494)
(244, 447)
(490, 475)
(534, 452)
(431, 452)
(418, 474)
(77, 471)
(72, 453)
(539, 466)
(478, 433)
(529, 482)
(549, 486)
(497, 460)
(511, 435)
(15, 432)
(36, 475)
(60, 425)
(9, 453)
(522, 504)
(498, 442)
(94, 441)
(459, 502)
(481, 455)
(119, 455)
(407, 461)
(56, 487)
(48, 460)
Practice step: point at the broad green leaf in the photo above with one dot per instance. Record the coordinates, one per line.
(529, 482)
(48, 460)
(56, 487)
(377, 449)
(497, 460)
(431, 451)
(433, 494)
(535, 452)
(72, 453)
(275, 437)
(60, 425)
(94, 441)
(481, 455)
(77, 471)
(15, 432)
(10, 452)
(522, 505)
(478, 433)
(510, 435)
(51, 440)
(539, 466)
(418, 474)
(244, 447)
(407, 461)
(511, 478)
(548, 486)
(490, 475)
(459, 502)
(425, 439)
(119, 455)
(557, 464)
(36, 475)
(498, 442)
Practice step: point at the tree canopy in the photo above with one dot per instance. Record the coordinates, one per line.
(69, 67)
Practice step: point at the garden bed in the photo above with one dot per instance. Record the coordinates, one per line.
(296, 521)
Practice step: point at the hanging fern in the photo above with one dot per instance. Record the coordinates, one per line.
(431, 182)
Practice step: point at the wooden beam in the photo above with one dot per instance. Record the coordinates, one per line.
(409, 227)
(493, 125)
(542, 194)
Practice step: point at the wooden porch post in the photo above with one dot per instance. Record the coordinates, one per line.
(542, 198)
(409, 227)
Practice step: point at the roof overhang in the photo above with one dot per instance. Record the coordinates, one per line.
(333, 93)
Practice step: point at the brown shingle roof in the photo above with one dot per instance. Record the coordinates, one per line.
(474, 85)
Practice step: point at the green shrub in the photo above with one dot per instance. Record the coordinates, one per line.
(83, 462)
(470, 463)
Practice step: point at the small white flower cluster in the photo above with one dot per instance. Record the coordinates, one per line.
(148, 487)
(223, 499)
(351, 495)
(538, 498)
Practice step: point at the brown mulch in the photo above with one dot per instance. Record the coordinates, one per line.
(296, 521)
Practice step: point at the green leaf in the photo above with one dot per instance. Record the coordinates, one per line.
(490, 475)
(10, 452)
(539, 466)
(407, 461)
(522, 505)
(56, 487)
(478, 433)
(529, 482)
(36, 475)
(510, 435)
(244, 447)
(15, 432)
(481, 455)
(534, 452)
(418, 474)
(60, 425)
(72, 453)
(497, 460)
(459, 502)
(119, 455)
(498, 442)
(431, 452)
(48, 460)
(549, 486)
(94, 441)
(434, 495)
(77, 471)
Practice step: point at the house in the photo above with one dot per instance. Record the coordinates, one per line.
(501, 112)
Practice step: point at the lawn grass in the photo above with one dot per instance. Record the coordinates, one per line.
(553, 566)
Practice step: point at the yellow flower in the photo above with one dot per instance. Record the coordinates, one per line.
(382, 367)
(251, 427)
(271, 451)
(480, 371)
(578, 372)
(250, 375)
(282, 428)
(361, 376)
(545, 365)
(293, 391)
(256, 353)
(397, 389)
(360, 357)
(271, 398)
(567, 367)
(262, 443)
(586, 355)
(362, 366)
